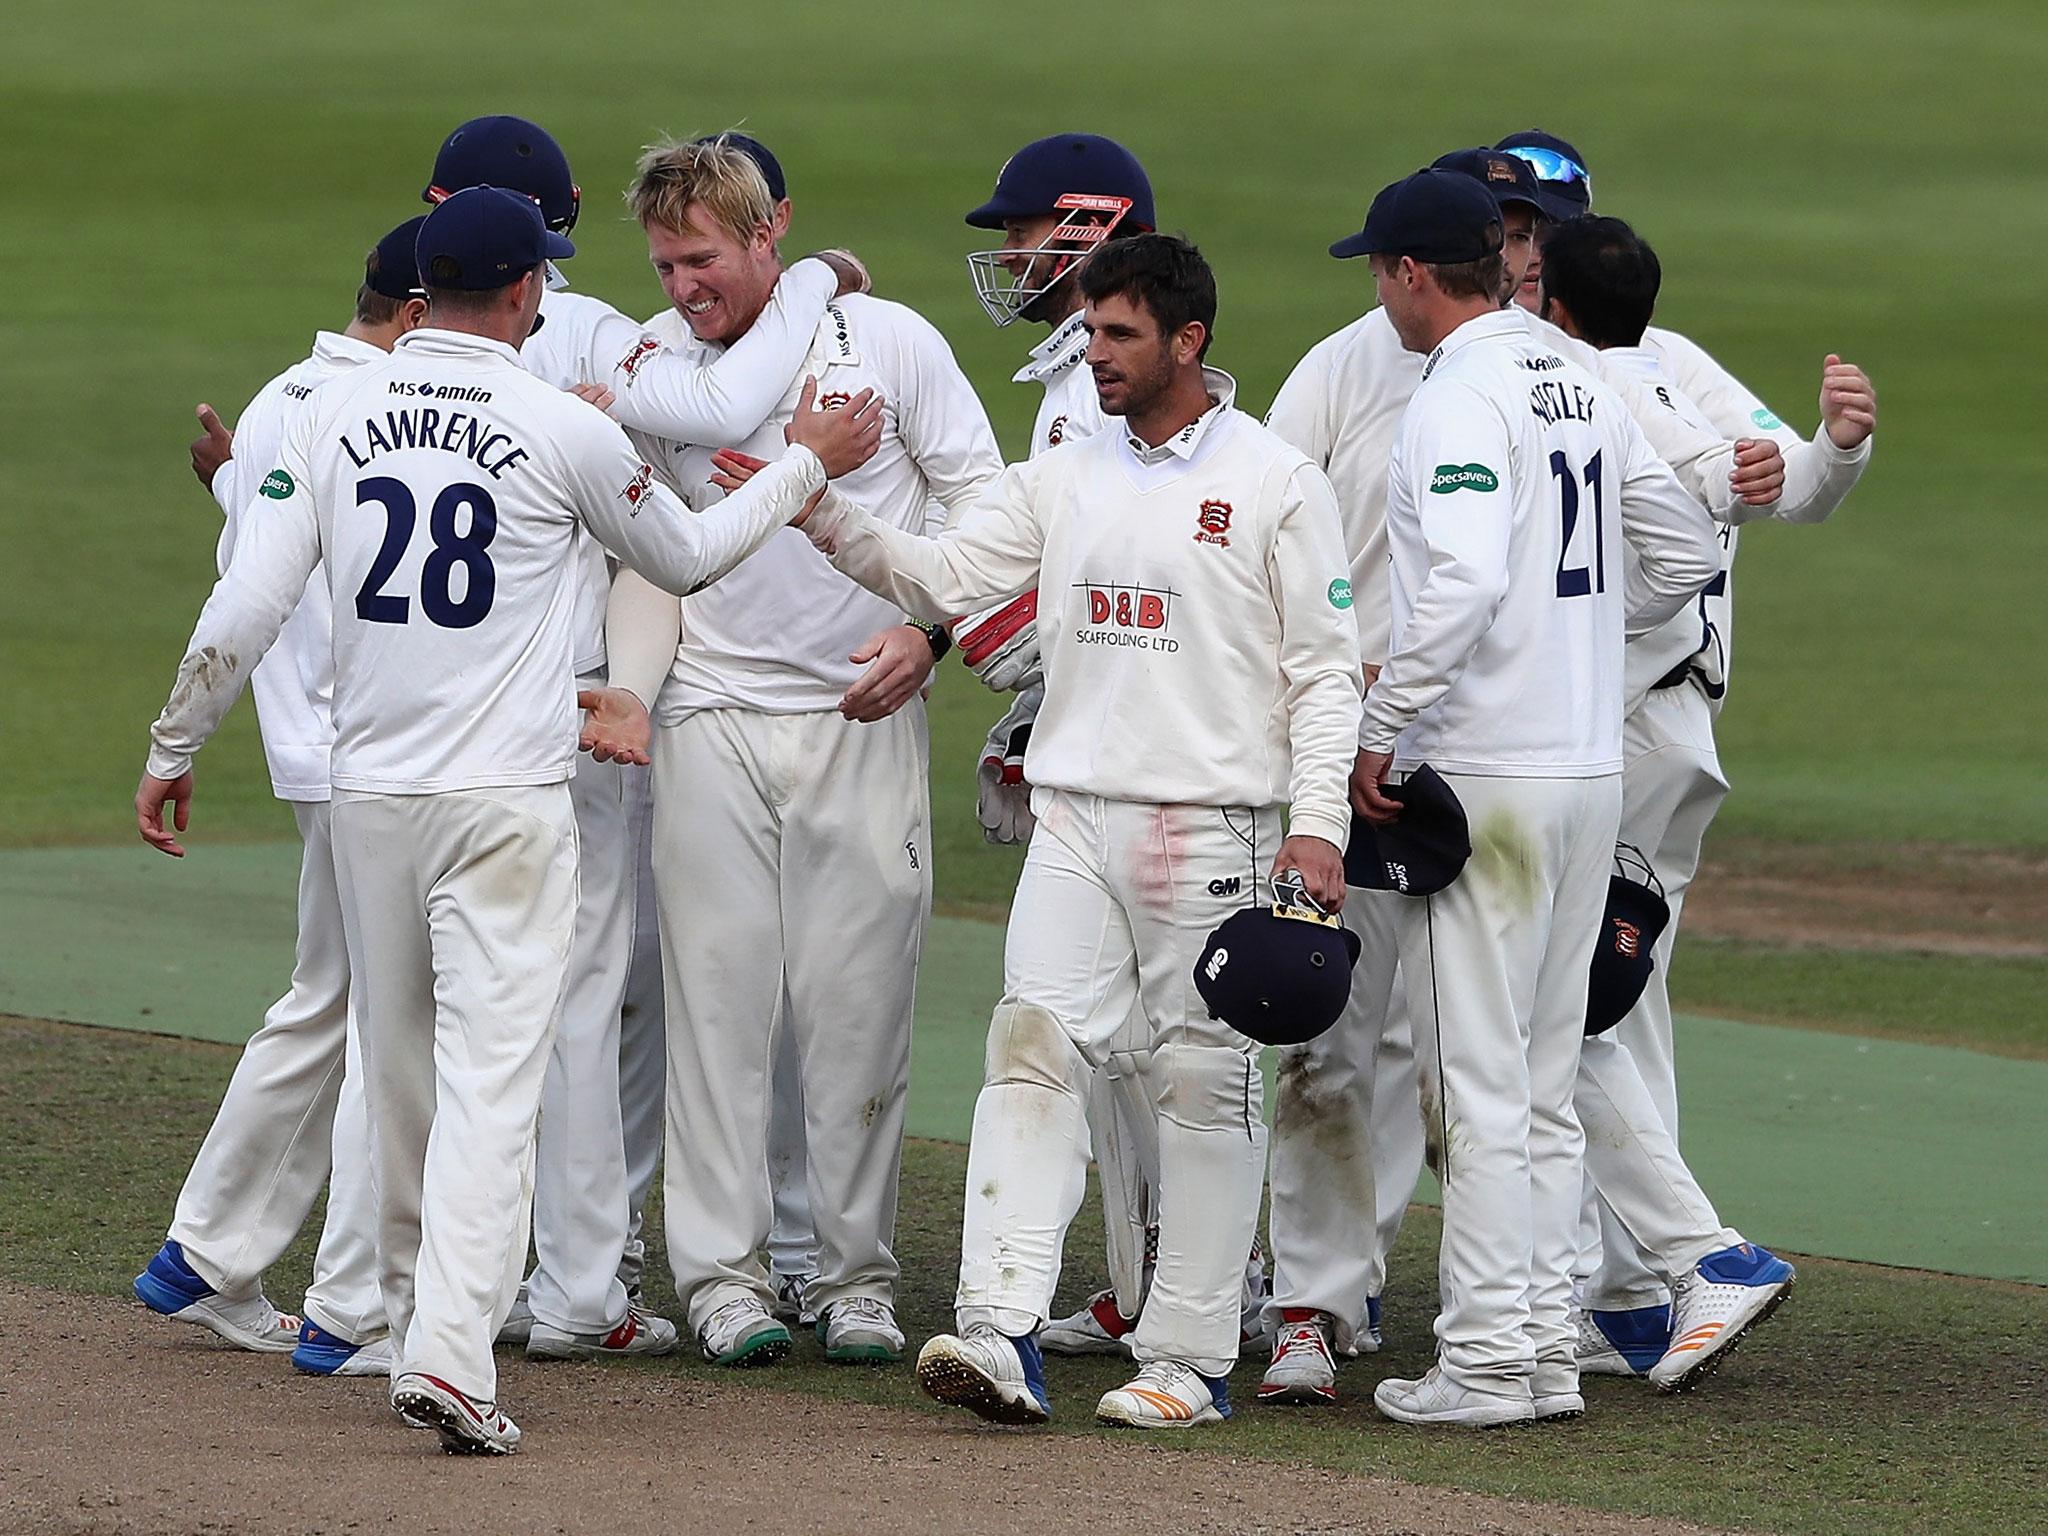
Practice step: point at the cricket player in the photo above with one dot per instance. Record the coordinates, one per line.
(792, 821)
(1057, 200)
(1201, 668)
(575, 1304)
(1673, 1289)
(1515, 478)
(441, 491)
(1675, 780)
(290, 1099)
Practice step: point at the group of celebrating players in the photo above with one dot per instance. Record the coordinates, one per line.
(1431, 652)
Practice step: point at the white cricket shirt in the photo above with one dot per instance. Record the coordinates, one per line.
(1193, 612)
(720, 399)
(444, 488)
(1514, 477)
(1071, 409)
(776, 634)
(293, 685)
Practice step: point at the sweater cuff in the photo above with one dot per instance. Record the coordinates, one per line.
(1332, 829)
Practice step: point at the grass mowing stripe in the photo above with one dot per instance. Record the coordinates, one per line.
(1878, 1403)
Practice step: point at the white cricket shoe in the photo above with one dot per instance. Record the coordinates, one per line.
(743, 1333)
(1166, 1394)
(1303, 1369)
(1727, 1294)
(1437, 1400)
(1622, 1343)
(170, 1286)
(1555, 1394)
(466, 1426)
(860, 1330)
(790, 1304)
(988, 1373)
(1097, 1329)
(642, 1333)
(518, 1324)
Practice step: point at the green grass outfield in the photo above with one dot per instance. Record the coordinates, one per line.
(190, 201)
(1877, 1403)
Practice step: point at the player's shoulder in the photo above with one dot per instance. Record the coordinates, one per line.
(1677, 350)
(1276, 459)
(865, 320)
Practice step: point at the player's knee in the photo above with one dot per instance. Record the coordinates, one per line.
(1027, 1044)
(1204, 1087)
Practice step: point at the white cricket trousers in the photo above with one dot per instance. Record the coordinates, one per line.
(792, 859)
(1114, 905)
(1496, 970)
(1325, 1193)
(1396, 1127)
(1672, 785)
(461, 910)
(643, 1046)
(290, 1115)
(581, 1200)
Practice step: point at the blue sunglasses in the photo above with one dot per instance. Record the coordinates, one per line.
(1549, 165)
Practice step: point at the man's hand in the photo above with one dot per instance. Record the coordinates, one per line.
(151, 795)
(1759, 473)
(853, 272)
(1368, 795)
(902, 658)
(213, 447)
(1848, 403)
(598, 395)
(615, 725)
(1322, 868)
(1002, 798)
(843, 438)
(1000, 644)
(731, 469)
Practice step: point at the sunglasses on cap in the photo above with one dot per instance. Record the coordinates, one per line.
(1549, 165)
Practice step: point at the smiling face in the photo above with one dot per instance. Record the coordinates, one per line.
(718, 283)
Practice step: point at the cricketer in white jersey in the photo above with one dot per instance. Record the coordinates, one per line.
(291, 1115)
(1514, 477)
(455, 730)
(1201, 669)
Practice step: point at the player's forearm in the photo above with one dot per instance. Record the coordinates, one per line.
(1818, 478)
(985, 557)
(1319, 663)
(1322, 729)
(1676, 548)
(1460, 593)
(642, 627)
(681, 551)
(726, 401)
(237, 625)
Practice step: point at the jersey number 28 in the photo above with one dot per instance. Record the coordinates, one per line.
(437, 572)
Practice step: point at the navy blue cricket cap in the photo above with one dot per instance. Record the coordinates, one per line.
(485, 237)
(1421, 852)
(1436, 216)
(1565, 185)
(1034, 179)
(1509, 178)
(762, 156)
(392, 268)
(508, 152)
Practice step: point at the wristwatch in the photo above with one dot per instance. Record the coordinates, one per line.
(935, 636)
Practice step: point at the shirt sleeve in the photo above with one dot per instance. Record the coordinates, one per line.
(1467, 534)
(1674, 541)
(650, 528)
(1319, 667)
(992, 551)
(942, 422)
(1818, 478)
(275, 554)
(725, 401)
(642, 627)
(1702, 460)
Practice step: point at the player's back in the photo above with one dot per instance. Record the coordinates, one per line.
(1529, 446)
(447, 526)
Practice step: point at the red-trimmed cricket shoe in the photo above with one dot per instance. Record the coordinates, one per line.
(466, 1426)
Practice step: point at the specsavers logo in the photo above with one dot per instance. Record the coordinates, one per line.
(1340, 593)
(1462, 477)
(1135, 617)
(277, 485)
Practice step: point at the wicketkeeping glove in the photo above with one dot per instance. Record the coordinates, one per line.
(1003, 801)
(1000, 645)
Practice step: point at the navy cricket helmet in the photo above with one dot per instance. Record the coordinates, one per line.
(513, 153)
(1095, 185)
(1278, 974)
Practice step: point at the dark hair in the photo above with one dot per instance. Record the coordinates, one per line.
(1606, 275)
(374, 308)
(469, 302)
(1164, 273)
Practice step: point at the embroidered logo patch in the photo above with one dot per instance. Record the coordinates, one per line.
(1462, 477)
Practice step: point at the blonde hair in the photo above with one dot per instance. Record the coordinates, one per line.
(675, 175)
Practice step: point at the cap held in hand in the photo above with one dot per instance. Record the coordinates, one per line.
(1419, 854)
(1635, 919)
(1279, 974)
